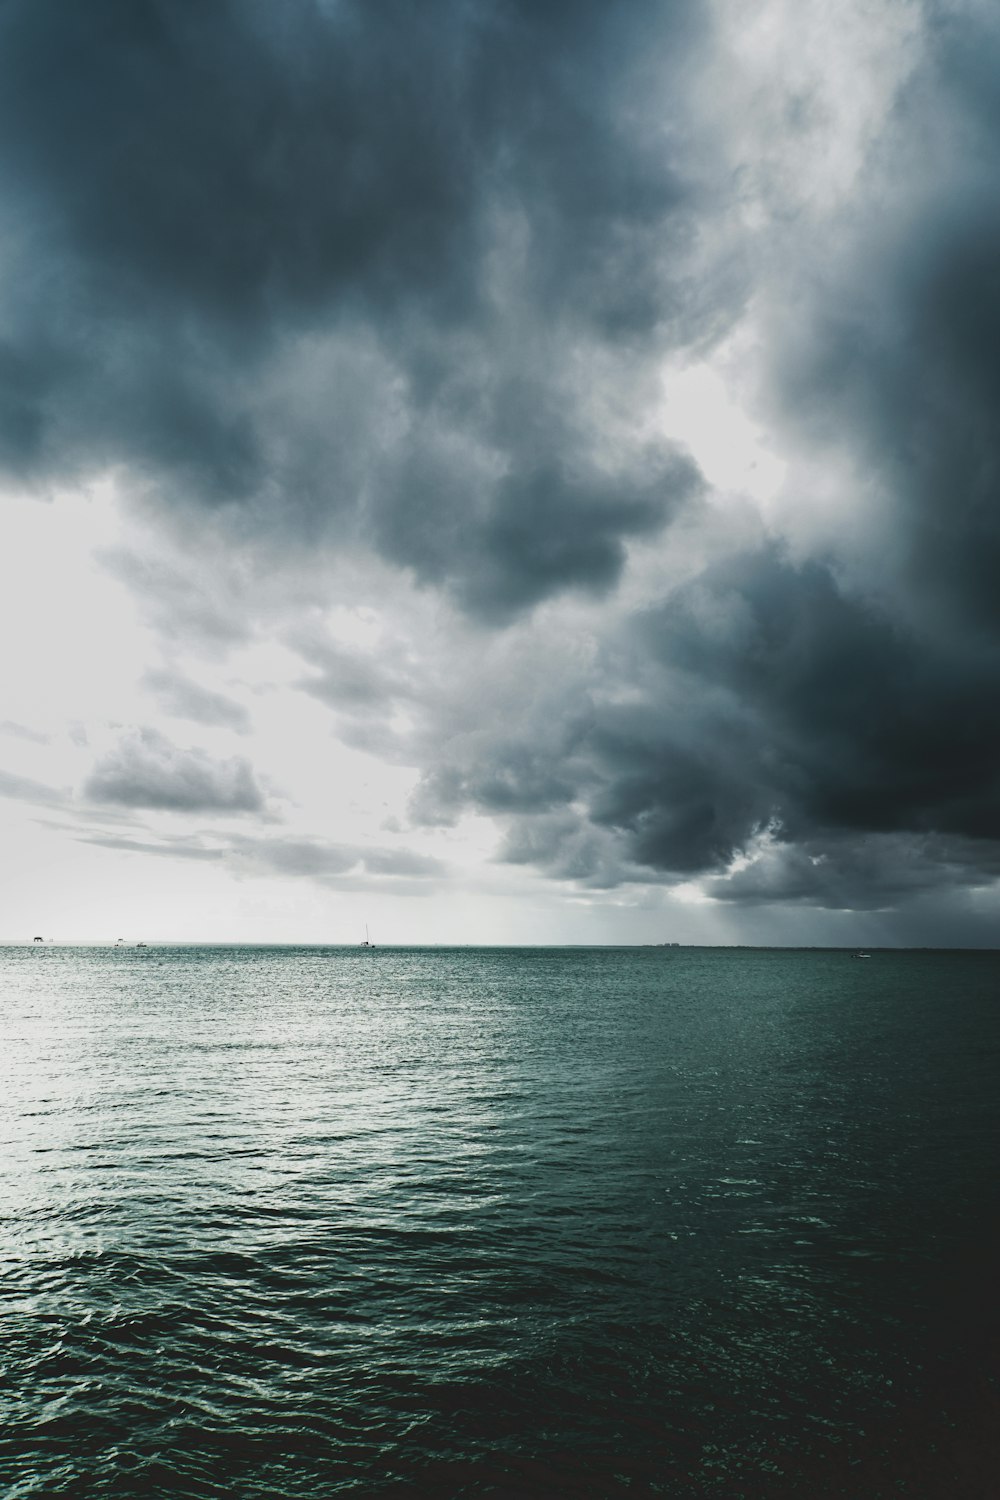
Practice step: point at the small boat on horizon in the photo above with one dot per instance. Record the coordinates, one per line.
(367, 941)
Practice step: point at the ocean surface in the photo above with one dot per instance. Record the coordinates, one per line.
(299, 1222)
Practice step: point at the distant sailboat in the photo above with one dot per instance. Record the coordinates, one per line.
(367, 942)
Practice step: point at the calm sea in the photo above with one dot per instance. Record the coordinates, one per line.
(534, 1222)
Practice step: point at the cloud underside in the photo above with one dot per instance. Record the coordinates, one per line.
(824, 729)
(325, 862)
(338, 280)
(764, 729)
(146, 770)
(307, 273)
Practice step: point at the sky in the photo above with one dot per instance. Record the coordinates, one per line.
(500, 471)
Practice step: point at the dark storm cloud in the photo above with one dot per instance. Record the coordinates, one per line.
(831, 724)
(851, 872)
(495, 775)
(868, 746)
(567, 846)
(335, 271)
(147, 770)
(772, 715)
(853, 719)
(887, 344)
(185, 699)
(873, 678)
(403, 275)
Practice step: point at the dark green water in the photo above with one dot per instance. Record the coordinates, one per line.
(301, 1222)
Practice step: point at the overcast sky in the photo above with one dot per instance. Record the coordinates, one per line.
(500, 470)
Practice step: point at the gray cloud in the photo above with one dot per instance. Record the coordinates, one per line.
(829, 722)
(183, 603)
(357, 272)
(330, 863)
(347, 679)
(495, 775)
(22, 732)
(568, 846)
(881, 341)
(320, 860)
(25, 789)
(852, 872)
(847, 717)
(168, 848)
(185, 699)
(763, 712)
(147, 770)
(403, 278)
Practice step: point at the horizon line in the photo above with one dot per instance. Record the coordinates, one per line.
(351, 945)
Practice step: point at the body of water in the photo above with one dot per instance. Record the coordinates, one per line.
(687, 1222)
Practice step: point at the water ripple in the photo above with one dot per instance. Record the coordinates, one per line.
(283, 1223)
